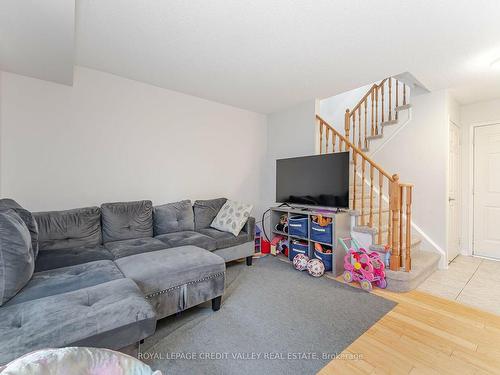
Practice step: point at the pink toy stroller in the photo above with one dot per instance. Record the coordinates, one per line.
(362, 266)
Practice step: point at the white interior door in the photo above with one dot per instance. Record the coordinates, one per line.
(487, 191)
(454, 193)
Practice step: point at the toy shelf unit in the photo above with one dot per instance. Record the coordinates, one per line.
(303, 234)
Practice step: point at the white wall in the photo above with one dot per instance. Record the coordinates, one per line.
(419, 154)
(112, 139)
(291, 132)
(332, 109)
(482, 113)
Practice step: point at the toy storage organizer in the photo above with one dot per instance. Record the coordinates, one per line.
(303, 234)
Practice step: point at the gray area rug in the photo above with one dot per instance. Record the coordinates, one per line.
(273, 320)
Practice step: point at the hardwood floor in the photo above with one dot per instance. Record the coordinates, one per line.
(425, 334)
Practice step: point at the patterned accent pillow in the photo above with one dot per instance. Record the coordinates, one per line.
(232, 217)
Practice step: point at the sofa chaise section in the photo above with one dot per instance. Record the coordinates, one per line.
(113, 315)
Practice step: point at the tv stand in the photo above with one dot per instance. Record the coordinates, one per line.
(340, 229)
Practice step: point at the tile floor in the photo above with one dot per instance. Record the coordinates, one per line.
(468, 280)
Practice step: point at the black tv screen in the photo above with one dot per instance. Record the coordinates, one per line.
(319, 180)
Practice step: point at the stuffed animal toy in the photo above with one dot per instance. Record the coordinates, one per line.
(322, 221)
(282, 226)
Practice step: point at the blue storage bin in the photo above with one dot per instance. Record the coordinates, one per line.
(297, 247)
(321, 234)
(297, 226)
(327, 259)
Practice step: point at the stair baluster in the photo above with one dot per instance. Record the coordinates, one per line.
(380, 187)
(363, 168)
(354, 160)
(366, 124)
(397, 99)
(382, 104)
(400, 195)
(371, 197)
(390, 98)
(327, 139)
(359, 127)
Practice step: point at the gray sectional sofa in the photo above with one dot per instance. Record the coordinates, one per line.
(104, 275)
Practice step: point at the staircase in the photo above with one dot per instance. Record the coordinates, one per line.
(380, 204)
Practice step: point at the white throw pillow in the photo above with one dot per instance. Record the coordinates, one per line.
(232, 217)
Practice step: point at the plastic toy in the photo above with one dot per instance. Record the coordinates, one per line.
(363, 266)
(282, 226)
(300, 262)
(275, 244)
(283, 246)
(315, 267)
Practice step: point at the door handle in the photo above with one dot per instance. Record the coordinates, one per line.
(451, 199)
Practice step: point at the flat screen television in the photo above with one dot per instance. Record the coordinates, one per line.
(318, 180)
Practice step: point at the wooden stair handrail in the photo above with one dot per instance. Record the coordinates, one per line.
(372, 88)
(400, 196)
(355, 148)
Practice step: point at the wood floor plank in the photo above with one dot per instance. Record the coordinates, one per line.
(425, 334)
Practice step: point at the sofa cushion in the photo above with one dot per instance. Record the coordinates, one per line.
(225, 239)
(71, 228)
(16, 255)
(52, 259)
(26, 216)
(73, 318)
(205, 211)
(164, 269)
(232, 217)
(188, 238)
(173, 217)
(127, 220)
(67, 279)
(121, 249)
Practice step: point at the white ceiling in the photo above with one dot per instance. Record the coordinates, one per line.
(37, 38)
(265, 55)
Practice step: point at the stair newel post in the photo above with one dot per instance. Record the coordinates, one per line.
(409, 192)
(355, 164)
(390, 99)
(394, 206)
(380, 193)
(347, 125)
(397, 98)
(401, 225)
(320, 136)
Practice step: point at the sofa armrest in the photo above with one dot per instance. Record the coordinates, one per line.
(249, 228)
